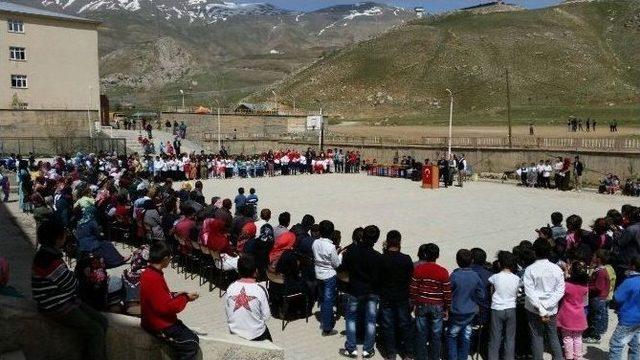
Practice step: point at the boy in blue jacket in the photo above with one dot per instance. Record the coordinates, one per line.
(467, 292)
(627, 298)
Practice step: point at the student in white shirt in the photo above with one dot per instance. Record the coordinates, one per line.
(247, 304)
(544, 288)
(503, 307)
(326, 261)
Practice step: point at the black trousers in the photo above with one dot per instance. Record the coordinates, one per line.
(184, 342)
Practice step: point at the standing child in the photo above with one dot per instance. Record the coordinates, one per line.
(572, 320)
(600, 292)
(467, 293)
(627, 299)
(503, 307)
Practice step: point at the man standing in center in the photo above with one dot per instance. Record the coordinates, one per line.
(362, 263)
(544, 288)
(396, 272)
(326, 261)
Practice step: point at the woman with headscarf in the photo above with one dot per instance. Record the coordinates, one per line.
(88, 233)
(41, 212)
(285, 241)
(152, 222)
(25, 186)
(214, 236)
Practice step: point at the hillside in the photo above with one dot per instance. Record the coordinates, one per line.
(579, 58)
(211, 47)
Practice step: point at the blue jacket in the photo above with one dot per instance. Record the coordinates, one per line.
(628, 299)
(467, 291)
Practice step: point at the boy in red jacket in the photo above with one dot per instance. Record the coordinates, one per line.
(160, 307)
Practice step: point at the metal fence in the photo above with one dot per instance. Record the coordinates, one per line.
(50, 146)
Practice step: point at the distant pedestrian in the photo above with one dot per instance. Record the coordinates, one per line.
(531, 130)
(593, 125)
(580, 125)
(588, 124)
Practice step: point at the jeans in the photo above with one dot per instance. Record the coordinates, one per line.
(327, 298)
(598, 317)
(459, 336)
(503, 321)
(428, 331)
(184, 342)
(370, 304)
(91, 326)
(397, 316)
(538, 331)
(622, 336)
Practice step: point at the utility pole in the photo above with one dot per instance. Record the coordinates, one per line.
(321, 131)
(219, 135)
(450, 119)
(89, 113)
(506, 71)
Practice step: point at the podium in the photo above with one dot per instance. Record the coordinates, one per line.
(430, 177)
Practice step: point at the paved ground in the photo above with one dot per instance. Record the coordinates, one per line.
(489, 215)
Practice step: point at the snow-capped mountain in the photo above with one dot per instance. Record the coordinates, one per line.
(151, 46)
(191, 10)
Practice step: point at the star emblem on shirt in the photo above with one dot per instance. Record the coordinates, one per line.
(242, 300)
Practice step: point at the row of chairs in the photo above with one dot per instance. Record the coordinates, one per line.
(194, 260)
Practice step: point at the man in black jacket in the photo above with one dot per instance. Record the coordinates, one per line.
(362, 263)
(395, 275)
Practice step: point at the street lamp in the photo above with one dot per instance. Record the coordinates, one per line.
(182, 93)
(450, 119)
(219, 135)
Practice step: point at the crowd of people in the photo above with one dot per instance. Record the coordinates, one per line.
(502, 309)
(561, 171)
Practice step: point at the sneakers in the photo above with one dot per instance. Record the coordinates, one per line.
(368, 355)
(350, 354)
(329, 333)
(590, 340)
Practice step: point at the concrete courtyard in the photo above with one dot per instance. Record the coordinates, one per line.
(488, 215)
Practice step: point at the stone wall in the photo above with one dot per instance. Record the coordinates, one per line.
(484, 160)
(29, 123)
(23, 329)
(201, 127)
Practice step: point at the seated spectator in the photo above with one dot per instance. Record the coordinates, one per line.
(286, 241)
(247, 304)
(160, 307)
(55, 290)
(214, 236)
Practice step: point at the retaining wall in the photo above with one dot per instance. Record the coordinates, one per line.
(29, 123)
(23, 329)
(598, 163)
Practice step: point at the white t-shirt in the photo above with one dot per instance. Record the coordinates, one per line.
(247, 309)
(506, 287)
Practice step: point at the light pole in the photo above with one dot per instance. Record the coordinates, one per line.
(275, 100)
(182, 93)
(294, 103)
(450, 119)
(219, 135)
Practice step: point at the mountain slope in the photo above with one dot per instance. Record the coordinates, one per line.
(566, 57)
(213, 48)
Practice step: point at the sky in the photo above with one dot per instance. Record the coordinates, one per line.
(429, 5)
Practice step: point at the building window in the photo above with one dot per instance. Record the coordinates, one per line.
(19, 81)
(16, 26)
(17, 53)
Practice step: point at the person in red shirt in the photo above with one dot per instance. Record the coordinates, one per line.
(160, 307)
(430, 293)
